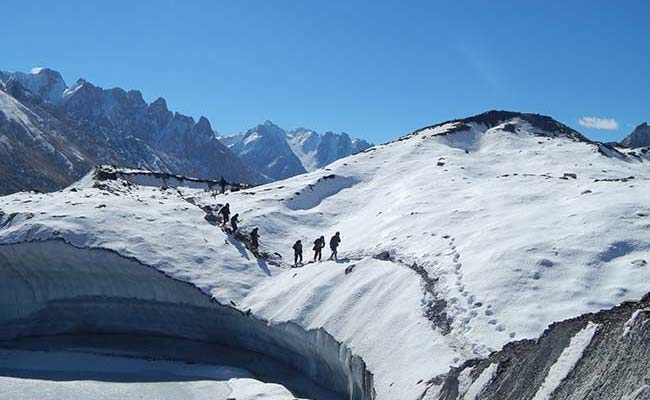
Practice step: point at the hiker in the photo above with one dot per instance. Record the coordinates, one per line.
(223, 183)
(297, 252)
(255, 236)
(225, 214)
(318, 247)
(233, 223)
(334, 244)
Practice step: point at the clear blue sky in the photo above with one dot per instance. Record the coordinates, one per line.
(375, 69)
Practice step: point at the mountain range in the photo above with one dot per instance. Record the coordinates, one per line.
(279, 154)
(51, 134)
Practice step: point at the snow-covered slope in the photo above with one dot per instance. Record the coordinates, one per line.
(456, 240)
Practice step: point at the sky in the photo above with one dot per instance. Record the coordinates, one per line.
(374, 69)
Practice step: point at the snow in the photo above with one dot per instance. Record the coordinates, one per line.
(629, 324)
(486, 376)
(72, 375)
(487, 214)
(566, 361)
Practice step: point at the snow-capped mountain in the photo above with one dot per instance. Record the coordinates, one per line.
(481, 258)
(279, 154)
(266, 150)
(51, 134)
(640, 137)
(316, 150)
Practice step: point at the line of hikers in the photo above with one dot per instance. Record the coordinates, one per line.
(319, 243)
(225, 214)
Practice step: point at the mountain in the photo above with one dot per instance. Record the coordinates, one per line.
(266, 150)
(51, 134)
(279, 154)
(640, 137)
(499, 256)
(316, 151)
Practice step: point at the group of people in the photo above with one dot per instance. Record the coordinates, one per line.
(319, 244)
(225, 215)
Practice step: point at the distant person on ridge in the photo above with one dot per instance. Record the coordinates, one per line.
(334, 244)
(223, 183)
(225, 214)
(297, 253)
(255, 236)
(233, 223)
(318, 248)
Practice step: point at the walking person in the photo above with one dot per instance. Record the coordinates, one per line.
(318, 248)
(297, 253)
(225, 214)
(233, 223)
(255, 237)
(223, 183)
(334, 244)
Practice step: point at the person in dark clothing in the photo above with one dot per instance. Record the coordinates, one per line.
(318, 247)
(233, 223)
(223, 183)
(334, 244)
(225, 213)
(297, 253)
(255, 237)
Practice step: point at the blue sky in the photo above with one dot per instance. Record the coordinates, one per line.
(375, 69)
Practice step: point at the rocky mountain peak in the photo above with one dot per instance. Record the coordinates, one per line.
(640, 137)
(43, 84)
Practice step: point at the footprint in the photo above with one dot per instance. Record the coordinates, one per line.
(500, 328)
(512, 335)
(489, 312)
(492, 322)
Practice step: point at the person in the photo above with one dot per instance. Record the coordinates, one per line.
(225, 213)
(334, 244)
(297, 253)
(318, 247)
(233, 223)
(255, 236)
(223, 183)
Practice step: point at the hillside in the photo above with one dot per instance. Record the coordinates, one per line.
(458, 241)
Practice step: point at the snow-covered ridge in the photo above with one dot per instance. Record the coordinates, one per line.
(154, 179)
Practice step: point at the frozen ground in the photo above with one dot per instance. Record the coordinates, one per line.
(455, 242)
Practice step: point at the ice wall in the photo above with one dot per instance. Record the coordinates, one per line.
(51, 288)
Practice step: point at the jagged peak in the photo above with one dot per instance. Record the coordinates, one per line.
(44, 84)
(160, 103)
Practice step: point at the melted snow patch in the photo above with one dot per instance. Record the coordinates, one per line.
(566, 361)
